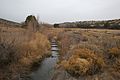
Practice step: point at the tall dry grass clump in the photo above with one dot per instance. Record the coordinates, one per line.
(36, 48)
(114, 52)
(84, 62)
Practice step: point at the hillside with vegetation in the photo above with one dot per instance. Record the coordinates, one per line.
(108, 24)
(8, 23)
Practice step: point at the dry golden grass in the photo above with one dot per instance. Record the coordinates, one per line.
(93, 52)
(51, 32)
(114, 52)
(19, 49)
(84, 62)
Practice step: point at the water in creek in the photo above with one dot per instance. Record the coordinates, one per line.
(46, 68)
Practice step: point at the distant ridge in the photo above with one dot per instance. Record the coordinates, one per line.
(8, 23)
(105, 24)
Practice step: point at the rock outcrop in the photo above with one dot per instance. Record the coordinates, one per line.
(31, 23)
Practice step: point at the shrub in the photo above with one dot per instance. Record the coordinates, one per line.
(84, 62)
(77, 66)
(114, 52)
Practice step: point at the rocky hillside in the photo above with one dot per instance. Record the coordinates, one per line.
(108, 24)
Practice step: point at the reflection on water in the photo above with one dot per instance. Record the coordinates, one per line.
(46, 69)
(54, 49)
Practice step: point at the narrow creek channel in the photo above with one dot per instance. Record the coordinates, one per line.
(46, 68)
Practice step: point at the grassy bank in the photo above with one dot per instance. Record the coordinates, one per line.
(19, 49)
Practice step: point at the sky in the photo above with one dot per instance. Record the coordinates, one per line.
(57, 11)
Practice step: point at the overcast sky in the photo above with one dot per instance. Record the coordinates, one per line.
(53, 11)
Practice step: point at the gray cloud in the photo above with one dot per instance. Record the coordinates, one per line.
(53, 11)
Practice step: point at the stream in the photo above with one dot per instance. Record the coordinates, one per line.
(46, 69)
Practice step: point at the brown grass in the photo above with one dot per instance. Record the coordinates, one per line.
(92, 53)
(20, 48)
(84, 62)
(114, 52)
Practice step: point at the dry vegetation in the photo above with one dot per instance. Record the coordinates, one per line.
(85, 54)
(51, 32)
(19, 49)
(84, 62)
(89, 54)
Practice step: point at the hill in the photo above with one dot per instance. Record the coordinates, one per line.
(7, 23)
(108, 24)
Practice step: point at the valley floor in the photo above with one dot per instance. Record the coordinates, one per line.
(85, 54)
